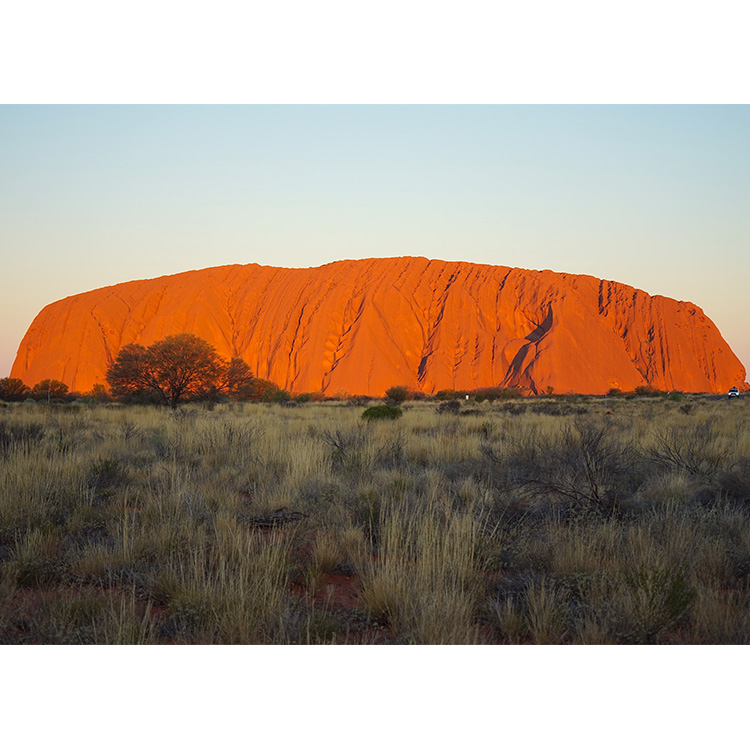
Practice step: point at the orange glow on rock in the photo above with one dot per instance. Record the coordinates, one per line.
(361, 326)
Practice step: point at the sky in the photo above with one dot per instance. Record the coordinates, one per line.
(652, 196)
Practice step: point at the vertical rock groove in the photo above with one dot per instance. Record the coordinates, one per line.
(361, 326)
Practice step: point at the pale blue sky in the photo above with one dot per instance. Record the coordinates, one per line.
(653, 196)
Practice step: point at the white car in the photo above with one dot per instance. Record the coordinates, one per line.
(733, 391)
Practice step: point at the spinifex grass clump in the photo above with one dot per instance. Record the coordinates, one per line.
(423, 581)
(542, 521)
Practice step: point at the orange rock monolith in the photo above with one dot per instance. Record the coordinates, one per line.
(361, 326)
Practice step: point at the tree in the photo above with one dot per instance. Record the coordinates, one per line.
(130, 372)
(258, 389)
(13, 389)
(49, 389)
(236, 379)
(177, 368)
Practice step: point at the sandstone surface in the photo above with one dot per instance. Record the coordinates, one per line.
(361, 326)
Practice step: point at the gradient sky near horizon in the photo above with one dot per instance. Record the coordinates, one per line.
(652, 196)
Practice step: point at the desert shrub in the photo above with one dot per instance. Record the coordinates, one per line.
(648, 390)
(397, 394)
(513, 408)
(358, 400)
(390, 455)
(449, 407)
(446, 394)
(494, 393)
(382, 412)
(555, 409)
(584, 464)
(693, 448)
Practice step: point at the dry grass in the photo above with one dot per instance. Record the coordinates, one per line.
(529, 521)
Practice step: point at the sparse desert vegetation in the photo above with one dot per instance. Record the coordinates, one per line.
(525, 521)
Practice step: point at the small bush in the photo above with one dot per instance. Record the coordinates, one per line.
(358, 400)
(383, 411)
(397, 395)
(446, 394)
(449, 407)
(494, 393)
(693, 448)
(648, 390)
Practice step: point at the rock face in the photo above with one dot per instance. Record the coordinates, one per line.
(361, 326)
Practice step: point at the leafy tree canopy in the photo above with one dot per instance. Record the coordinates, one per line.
(182, 367)
(177, 368)
(13, 389)
(49, 389)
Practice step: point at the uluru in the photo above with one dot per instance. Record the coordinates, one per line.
(361, 326)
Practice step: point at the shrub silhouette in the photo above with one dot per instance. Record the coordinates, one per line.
(397, 394)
